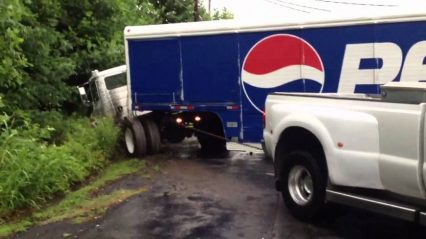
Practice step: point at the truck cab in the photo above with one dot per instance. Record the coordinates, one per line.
(106, 92)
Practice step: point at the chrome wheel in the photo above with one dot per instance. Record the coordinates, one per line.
(130, 141)
(300, 185)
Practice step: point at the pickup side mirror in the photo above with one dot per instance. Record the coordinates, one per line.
(83, 96)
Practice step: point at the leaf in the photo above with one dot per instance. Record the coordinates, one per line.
(66, 235)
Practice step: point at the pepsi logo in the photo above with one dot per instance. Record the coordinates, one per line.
(279, 60)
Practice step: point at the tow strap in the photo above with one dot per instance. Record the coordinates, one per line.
(220, 137)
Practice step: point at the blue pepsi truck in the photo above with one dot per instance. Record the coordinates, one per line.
(211, 78)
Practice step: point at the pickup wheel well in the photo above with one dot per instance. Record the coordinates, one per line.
(299, 139)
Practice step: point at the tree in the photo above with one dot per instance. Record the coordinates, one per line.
(173, 11)
(13, 60)
(222, 14)
(50, 43)
(47, 45)
(95, 29)
(30, 50)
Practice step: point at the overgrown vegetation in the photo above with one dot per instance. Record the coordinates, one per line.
(34, 167)
(82, 205)
(46, 46)
(172, 11)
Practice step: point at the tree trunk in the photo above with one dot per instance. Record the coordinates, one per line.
(196, 11)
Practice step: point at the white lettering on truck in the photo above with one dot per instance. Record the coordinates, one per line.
(391, 58)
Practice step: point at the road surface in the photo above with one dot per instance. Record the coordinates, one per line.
(228, 196)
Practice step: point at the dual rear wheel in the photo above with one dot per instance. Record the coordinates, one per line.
(303, 185)
(141, 137)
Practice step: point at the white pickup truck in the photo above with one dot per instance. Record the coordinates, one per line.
(358, 150)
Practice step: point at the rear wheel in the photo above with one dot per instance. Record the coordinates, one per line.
(135, 139)
(175, 134)
(153, 138)
(211, 145)
(303, 185)
(210, 137)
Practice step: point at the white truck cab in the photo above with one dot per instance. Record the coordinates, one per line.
(106, 92)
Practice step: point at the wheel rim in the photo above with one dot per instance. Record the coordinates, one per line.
(130, 142)
(300, 185)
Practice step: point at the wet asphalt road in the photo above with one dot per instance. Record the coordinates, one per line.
(198, 196)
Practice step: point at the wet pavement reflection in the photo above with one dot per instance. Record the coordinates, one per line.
(218, 196)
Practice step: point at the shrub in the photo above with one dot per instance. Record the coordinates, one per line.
(34, 168)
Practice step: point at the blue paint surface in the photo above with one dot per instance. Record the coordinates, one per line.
(205, 71)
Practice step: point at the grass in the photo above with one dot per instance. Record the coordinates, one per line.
(37, 162)
(13, 227)
(89, 209)
(81, 205)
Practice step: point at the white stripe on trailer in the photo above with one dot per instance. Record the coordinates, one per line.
(234, 26)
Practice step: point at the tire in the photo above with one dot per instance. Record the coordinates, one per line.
(209, 143)
(153, 138)
(135, 139)
(303, 185)
(211, 124)
(175, 134)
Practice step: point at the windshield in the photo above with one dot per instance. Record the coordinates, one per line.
(93, 91)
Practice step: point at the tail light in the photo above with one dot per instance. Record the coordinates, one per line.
(263, 118)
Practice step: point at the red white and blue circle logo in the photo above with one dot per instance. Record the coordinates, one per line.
(282, 62)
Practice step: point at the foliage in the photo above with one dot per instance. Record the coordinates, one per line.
(95, 29)
(46, 46)
(173, 11)
(14, 227)
(82, 204)
(13, 58)
(46, 42)
(222, 14)
(32, 170)
(32, 67)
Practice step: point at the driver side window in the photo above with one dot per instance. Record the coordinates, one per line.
(115, 81)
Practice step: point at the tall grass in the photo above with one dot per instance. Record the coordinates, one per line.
(41, 160)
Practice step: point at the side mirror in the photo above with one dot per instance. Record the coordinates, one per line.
(83, 96)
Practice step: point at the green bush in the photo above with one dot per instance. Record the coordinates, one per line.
(33, 168)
